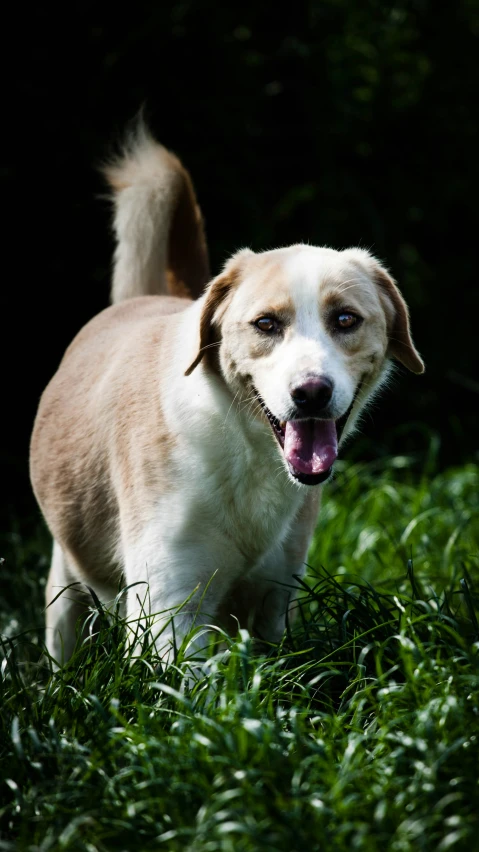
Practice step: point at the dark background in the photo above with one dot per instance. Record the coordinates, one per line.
(336, 122)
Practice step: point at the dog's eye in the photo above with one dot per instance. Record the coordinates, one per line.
(346, 320)
(268, 324)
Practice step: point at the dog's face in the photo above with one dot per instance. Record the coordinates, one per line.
(305, 335)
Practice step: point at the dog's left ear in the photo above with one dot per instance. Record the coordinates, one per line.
(401, 346)
(216, 297)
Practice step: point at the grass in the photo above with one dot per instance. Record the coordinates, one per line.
(361, 731)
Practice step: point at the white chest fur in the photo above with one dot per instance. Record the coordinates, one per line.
(231, 472)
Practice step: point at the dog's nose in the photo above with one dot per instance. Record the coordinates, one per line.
(313, 395)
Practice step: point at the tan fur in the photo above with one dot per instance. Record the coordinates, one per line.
(151, 458)
(271, 284)
(89, 421)
(174, 255)
(400, 343)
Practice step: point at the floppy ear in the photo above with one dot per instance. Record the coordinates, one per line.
(401, 346)
(216, 295)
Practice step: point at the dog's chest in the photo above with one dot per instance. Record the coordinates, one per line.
(256, 512)
(241, 491)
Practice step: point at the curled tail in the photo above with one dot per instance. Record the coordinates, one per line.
(161, 245)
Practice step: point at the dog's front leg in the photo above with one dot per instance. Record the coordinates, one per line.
(275, 582)
(171, 596)
(272, 590)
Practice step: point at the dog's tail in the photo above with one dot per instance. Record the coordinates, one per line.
(161, 244)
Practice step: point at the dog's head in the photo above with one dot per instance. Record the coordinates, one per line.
(308, 334)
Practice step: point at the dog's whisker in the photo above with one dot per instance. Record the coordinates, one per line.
(397, 340)
(251, 405)
(253, 411)
(348, 281)
(340, 290)
(209, 346)
(231, 406)
(278, 471)
(249, 411)
(239, 401)
(244, 403)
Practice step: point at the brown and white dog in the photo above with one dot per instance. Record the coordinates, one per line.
(183, 438)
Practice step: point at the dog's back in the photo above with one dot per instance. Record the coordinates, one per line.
(161, 245)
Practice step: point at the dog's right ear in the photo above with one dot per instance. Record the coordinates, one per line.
(216, 301)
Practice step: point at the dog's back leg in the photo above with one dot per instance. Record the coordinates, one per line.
(64, 608)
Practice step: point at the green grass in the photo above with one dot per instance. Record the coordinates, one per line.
(360, 732)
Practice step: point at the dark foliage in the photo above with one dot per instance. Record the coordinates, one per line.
(331, 122)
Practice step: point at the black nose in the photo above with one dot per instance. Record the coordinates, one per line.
(313, 395)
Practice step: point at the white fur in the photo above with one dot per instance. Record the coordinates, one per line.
(228, 515)
(309, 348)
(143, 218)
(233, 527)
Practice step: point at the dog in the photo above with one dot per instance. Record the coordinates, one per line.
(182, 443)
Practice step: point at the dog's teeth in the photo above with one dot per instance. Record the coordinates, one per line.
(278, 425)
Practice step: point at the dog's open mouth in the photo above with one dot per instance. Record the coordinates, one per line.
(310, 447)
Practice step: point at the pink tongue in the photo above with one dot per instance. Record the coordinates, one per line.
(310, 446)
